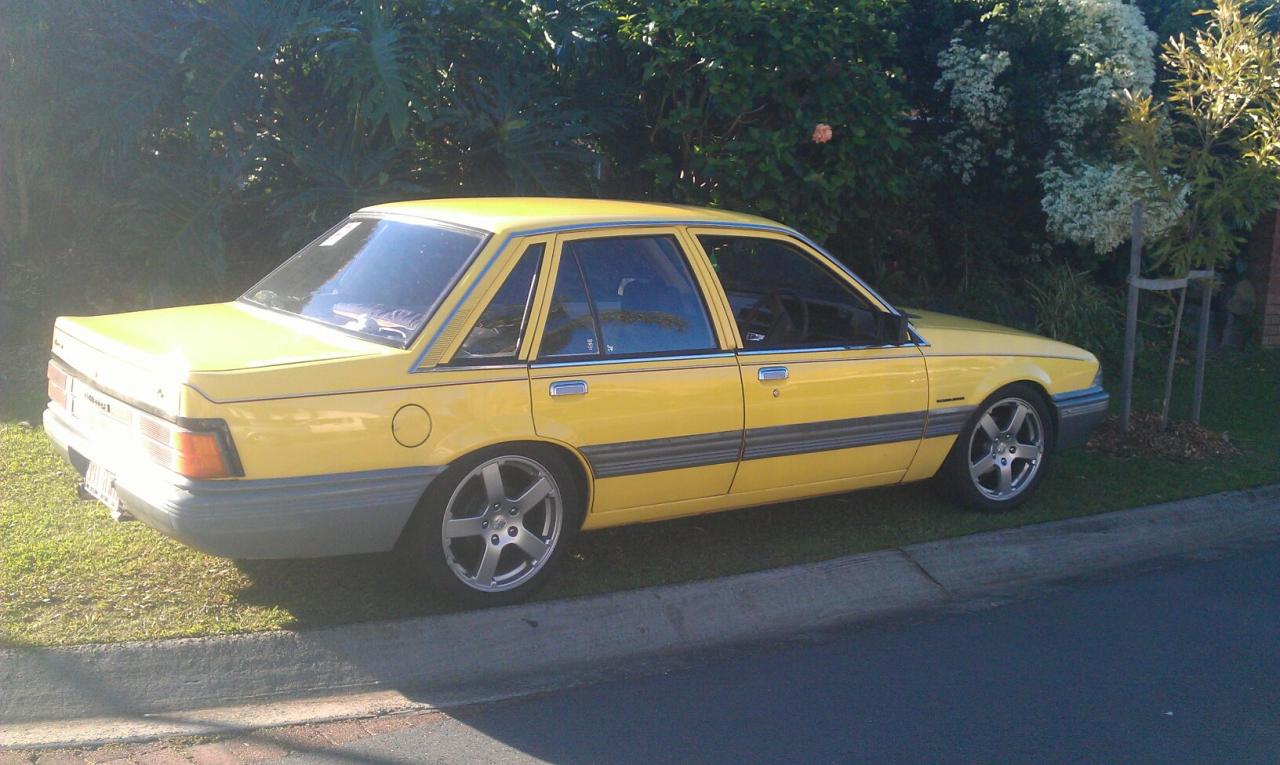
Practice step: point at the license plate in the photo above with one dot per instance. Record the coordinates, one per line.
(101, 484)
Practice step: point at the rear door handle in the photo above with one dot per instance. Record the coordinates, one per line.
(773, 373)
(569, 388)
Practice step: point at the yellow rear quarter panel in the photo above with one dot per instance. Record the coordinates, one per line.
(352, 429)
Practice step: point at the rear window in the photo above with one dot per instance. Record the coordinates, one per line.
(374, 277)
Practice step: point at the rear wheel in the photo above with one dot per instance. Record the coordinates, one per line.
(491, 527)
(1002, 453)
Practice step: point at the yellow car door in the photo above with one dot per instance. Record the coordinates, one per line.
(834, 399)
(634, 370)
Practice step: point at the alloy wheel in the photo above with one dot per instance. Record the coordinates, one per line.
(1006, 449)
(502, 523)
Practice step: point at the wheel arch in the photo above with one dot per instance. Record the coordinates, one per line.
(577, 464)
(1040, 385)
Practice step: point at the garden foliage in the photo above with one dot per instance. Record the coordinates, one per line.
(172, 151)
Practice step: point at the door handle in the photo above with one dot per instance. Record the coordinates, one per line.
(773, 373)
(569, 388)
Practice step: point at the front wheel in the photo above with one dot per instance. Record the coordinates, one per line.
(492, 526)
(1001, 455)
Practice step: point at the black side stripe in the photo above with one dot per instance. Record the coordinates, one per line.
(657, 454)
(829, 435)
(630, 457)
(947, 422)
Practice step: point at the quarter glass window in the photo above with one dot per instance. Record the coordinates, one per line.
(496, 335)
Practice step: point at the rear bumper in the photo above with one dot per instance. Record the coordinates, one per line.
(309, 516)
(1079, 412)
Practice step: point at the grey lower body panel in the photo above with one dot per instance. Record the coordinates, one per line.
(1079, 412)
(304, 517)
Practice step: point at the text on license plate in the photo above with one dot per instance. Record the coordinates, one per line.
(102, 485)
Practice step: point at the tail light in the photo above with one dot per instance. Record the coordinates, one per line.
(192, 453)
(57, 385)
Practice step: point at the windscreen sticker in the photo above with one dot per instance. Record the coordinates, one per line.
(336, 236)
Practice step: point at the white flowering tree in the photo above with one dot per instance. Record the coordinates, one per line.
(1035, 90)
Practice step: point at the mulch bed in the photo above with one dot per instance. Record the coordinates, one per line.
(1182, 441)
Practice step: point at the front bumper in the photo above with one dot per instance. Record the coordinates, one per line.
(1079, 412)
(304, 517)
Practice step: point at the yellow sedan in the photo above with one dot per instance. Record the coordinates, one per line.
(473, 381)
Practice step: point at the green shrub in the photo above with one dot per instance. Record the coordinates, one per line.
(733, 92)
(1071, 307)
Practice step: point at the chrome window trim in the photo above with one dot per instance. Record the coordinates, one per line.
(642, 223)
(1003, 356)
(591, 362)
(419, 220)
(826, 349)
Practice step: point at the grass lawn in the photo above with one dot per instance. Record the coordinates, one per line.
(69, 574)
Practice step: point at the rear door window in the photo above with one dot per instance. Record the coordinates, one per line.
(626, 296)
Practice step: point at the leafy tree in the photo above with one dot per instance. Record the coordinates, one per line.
(732, 91)
(1219, 134)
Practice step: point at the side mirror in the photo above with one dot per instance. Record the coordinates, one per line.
(894, 329)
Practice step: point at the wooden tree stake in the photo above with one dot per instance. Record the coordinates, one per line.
(1173, 360)
(1131, 319)
(1202, 347)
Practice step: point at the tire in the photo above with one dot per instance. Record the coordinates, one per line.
(995, 467)
(481, 537)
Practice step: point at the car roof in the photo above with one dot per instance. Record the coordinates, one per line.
(509, 214)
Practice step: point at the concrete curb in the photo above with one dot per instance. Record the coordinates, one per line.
(467, 657)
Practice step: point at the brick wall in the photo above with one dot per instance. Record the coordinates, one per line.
(1264, 256)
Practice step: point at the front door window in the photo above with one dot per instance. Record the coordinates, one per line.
(783, 298)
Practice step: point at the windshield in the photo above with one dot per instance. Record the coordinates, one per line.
(375, 277)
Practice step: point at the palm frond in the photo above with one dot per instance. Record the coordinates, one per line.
(368, 53)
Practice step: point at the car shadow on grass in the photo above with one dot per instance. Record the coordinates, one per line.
(357, 588)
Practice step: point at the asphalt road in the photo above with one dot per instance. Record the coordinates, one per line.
(1177, 666)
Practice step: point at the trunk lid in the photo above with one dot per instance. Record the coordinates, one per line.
(146, 356)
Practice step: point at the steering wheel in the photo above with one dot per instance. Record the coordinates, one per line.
(782, 320)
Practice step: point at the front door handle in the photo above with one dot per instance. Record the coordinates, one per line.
(569, 388)
(773, 373)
